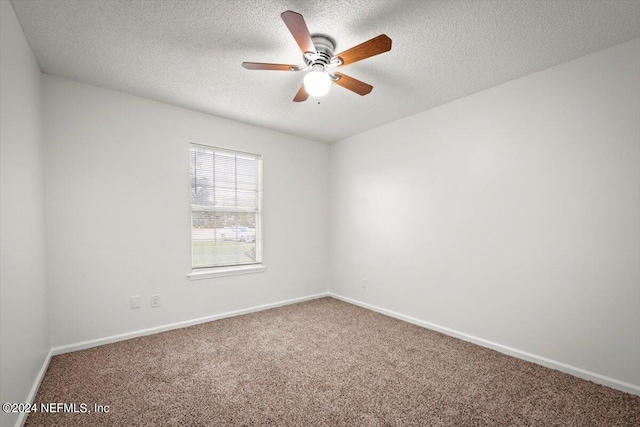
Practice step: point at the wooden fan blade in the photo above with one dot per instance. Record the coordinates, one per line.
(298, 28)
(354, 85)
(265, 66)
(373, 47)
(302, 95)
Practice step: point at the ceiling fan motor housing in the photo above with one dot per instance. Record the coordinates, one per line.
(325, 46)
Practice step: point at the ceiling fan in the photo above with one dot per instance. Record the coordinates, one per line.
(317, 53)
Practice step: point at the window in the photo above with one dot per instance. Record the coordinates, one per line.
(226, 208)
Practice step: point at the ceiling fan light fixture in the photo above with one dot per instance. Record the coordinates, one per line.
(317, 82)
(318, 55)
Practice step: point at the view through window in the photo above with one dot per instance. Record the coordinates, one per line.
(226, 199)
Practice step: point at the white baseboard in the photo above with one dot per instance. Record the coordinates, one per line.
(184, 324)
(562, 367)
(34, 388)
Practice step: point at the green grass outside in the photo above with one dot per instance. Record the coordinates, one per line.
(208, 252)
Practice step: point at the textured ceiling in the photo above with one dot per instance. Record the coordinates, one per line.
(188, 53)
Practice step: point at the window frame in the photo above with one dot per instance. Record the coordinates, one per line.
(232, 269)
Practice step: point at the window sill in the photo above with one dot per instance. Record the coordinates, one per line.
(226, 271)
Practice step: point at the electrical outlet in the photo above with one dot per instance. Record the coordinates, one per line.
(364, 283)
(155, 300)
(135, 301)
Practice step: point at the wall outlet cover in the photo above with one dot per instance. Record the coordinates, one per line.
(135, 301)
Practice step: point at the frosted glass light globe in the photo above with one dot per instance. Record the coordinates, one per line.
(317, 82)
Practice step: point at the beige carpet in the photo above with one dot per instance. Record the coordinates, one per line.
(319, 363)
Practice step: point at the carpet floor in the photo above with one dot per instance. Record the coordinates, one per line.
(318, 363)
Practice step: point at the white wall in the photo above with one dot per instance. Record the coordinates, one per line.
(511, 215)
(119, 217)
(23, 286)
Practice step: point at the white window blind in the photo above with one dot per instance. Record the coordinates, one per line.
(226, 207)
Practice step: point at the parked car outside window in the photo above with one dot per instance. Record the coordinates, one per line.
(238, 234)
